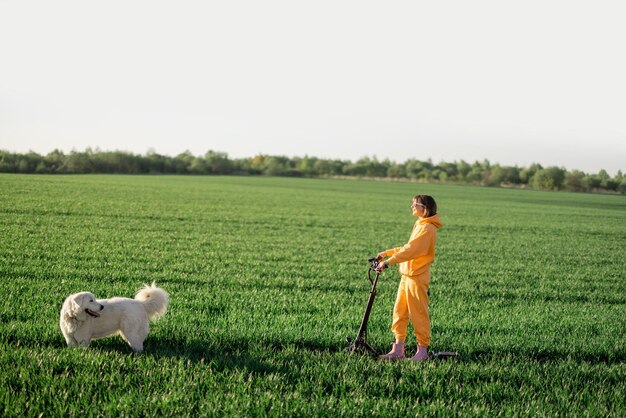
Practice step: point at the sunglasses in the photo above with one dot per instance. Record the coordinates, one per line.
(418, 204)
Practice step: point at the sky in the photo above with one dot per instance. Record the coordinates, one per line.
(514, 82)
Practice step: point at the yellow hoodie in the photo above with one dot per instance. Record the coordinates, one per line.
(416, 256)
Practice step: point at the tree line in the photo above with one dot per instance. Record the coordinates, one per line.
(213, 162)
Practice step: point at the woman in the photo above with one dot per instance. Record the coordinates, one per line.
(414, 258)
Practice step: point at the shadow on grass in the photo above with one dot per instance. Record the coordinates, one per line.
(224, 354)
(268, 355)
(221, 356)
(547, 356)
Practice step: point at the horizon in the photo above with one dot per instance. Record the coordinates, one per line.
(292, 157)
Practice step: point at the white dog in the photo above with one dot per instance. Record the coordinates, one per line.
(84, 318)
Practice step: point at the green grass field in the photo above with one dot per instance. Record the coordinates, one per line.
(267, 279)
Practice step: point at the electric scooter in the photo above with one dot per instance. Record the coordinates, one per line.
(360, 344)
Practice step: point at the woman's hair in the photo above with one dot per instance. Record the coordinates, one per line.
(429, 204)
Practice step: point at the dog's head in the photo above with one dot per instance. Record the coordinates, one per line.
(83, 304)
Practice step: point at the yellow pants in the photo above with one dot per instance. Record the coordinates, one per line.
(412, 303)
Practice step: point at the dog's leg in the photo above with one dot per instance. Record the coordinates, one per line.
(84, 343)
(136, 343)
(69, 339)
(82, 338)
(71, 342)
(135, 335)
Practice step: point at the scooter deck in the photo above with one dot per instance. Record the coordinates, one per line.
(443, 355)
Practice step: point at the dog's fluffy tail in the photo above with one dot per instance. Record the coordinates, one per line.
(154, 299)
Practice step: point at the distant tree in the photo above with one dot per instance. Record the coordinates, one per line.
(78, 163)
(114, 162)
(526, 174)
(574, 181)
(550, 178)
(258, 163)
(305, 165)
(322, 168)
(462, 169)
(604, 179)
(29, 162)
(492, 176)
(621, 187)
(213, 162)
(182, 162)
(427, 170)
(276, 166)
(475, 175)
(591, 182)
(329, 167)
(370, 167)
(157, 164)
(199, 166)
(449, 169)
(54, 161)
(355, 169)
(243, 166)
(218, 162)
(413, 169)
(620, 179)
(7, 162)
(612, 185)
(396, 171)
(510, 175)
(379, 168)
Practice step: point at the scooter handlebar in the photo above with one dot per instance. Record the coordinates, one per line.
(373, 261)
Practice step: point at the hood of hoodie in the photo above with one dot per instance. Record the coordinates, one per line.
(434, 220)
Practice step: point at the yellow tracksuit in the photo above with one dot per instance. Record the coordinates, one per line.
(415, 258)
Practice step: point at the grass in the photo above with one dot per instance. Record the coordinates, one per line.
(267, 278)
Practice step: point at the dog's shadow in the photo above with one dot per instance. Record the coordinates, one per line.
(220, 355)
